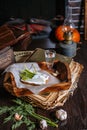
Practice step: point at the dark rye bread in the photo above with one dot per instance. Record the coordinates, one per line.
(3, 28)
(60, 70)
(12, 35)
(6, 36)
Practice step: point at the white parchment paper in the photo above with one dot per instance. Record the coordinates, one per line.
(16, 68)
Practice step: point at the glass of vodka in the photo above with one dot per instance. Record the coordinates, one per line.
(50, 57)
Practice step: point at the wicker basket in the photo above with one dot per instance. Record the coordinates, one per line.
(49, 99)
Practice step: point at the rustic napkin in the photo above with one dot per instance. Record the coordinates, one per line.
(22, 56)
(38, 56)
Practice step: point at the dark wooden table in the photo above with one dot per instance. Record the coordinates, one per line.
(76, 105)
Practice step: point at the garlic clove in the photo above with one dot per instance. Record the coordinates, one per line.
(18, 117)
(43, 124)
(61, 114)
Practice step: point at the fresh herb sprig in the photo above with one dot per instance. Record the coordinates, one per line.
(26, 110)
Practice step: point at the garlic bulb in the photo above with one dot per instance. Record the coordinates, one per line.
(61, 114)
(43, 124)
(17, 116)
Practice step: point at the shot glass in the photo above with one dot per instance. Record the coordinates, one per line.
(50, 57)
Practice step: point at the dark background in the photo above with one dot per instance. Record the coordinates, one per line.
(25, 9)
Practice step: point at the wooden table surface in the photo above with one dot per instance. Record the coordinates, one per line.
(76, 105)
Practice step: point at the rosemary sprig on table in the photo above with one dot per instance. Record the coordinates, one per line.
(25, 110)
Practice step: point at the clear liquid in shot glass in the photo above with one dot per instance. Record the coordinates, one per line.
(50, 57)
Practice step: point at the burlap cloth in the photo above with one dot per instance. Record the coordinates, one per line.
(50, 99)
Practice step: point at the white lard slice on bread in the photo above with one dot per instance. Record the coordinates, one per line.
(40, 78)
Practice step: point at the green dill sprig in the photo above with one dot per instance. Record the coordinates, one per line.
(26, 111)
